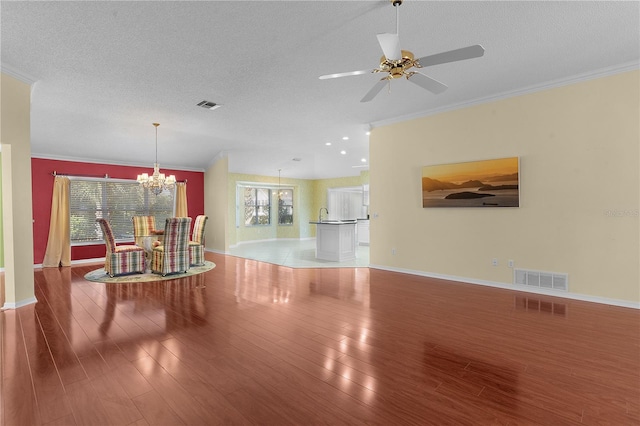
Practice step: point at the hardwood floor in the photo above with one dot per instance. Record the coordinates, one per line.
(256, 343)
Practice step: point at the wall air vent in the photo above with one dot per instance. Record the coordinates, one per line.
(540, 279)
(209, 105)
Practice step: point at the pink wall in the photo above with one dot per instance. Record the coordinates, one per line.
(42, 188)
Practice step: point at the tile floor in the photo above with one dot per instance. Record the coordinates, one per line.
(295, 254)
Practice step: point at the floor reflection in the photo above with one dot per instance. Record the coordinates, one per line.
(76, 318)
(390, 348)
(172, 304)
(262, 283)
(534, 304)
(465, 371)
(265, 283)
(343, 284)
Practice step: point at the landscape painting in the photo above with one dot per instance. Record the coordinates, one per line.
(487, 183)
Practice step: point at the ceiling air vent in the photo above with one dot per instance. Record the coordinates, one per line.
(209, 105)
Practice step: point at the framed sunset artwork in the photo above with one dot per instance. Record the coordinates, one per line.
(486, 183)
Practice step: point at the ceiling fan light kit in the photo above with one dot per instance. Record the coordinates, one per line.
(398, 63)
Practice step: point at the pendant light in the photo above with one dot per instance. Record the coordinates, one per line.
(157, 182)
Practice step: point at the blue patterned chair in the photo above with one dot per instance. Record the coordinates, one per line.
(173, 255)
(196, 244)
(123, 259)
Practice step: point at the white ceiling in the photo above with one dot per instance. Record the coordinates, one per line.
(104, 71)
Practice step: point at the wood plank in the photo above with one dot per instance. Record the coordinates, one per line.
(155, 409)
(51, 400)
(256, 343)
(19, 404)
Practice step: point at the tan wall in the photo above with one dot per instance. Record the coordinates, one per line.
(215, 205)
(321, 186)
(309, 196)
(16, 191)
(302, 190)
(1, 220)
(579, 189)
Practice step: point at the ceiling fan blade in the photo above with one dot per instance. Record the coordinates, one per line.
(431, 84)
(345, 74)
(390, 44)
(374, 90)
(468, 52)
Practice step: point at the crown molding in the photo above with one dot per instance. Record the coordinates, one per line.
(578, 78)
(112, 163)
(219, 156)
(17, 74)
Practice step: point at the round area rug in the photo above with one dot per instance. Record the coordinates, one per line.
(100, 276)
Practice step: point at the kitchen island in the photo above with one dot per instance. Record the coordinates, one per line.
(336, 240)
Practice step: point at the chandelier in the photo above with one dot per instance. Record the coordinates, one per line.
(157, 182)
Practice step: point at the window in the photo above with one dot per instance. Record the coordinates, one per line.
(257, 206)
(285, 207)
(115, 200)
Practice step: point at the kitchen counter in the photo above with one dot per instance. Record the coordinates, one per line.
(363, 232)
(336, 240)
(334, 222)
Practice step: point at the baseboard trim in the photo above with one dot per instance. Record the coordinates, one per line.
(514, 287)
(215, 251)
(87, 261)
(75, 262)
(19, 304)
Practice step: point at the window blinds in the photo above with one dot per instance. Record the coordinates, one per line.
(117, 201)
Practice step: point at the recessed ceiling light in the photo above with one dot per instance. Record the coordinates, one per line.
(343, 152)
(364, 160)
(328, 144)
(345, 138)
(368, 133)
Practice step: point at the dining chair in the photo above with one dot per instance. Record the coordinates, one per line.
(143, 226)
(196, 244)
(173, 254)
(123, 259)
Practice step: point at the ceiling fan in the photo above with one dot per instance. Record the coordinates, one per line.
(399, 63)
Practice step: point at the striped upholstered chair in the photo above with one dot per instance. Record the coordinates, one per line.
(123, 259)
(196, 244)
(144, 226)
(173, 255)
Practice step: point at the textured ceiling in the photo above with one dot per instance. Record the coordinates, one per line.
(104, 71)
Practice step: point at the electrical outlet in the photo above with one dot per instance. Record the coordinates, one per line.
(510, 263)
(393, 251)
(494, 261)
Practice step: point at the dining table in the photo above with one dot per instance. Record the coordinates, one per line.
(153, 239)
